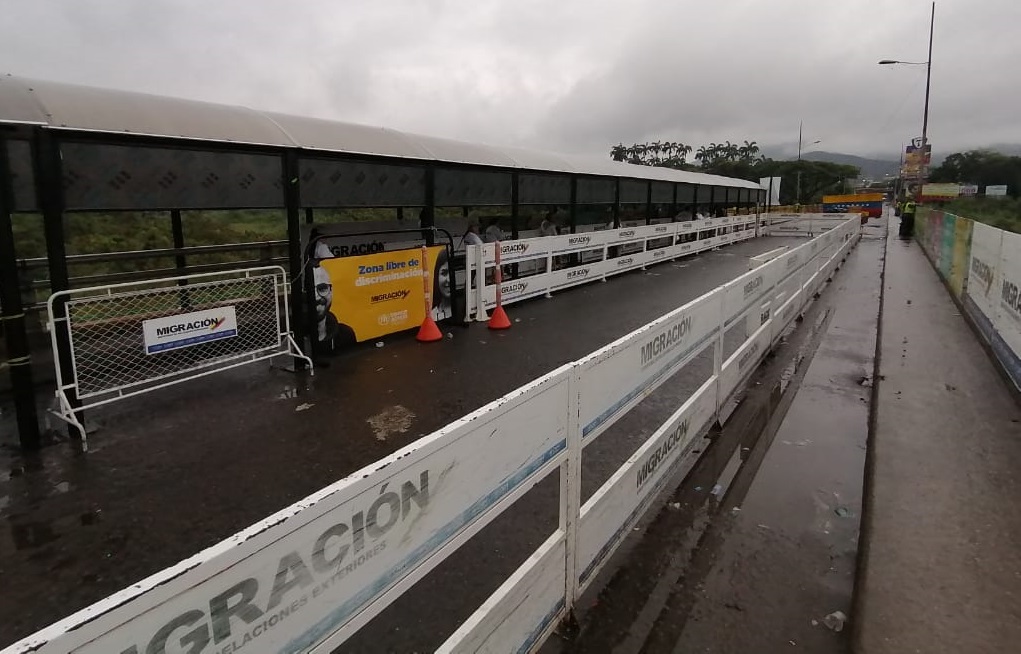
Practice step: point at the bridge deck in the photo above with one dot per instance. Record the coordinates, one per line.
(178, 470)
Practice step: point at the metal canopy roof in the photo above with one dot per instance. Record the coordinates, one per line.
(83, 108)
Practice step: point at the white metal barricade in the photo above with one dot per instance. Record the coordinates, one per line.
(553, 263)
(125, 339)
(805, 224)
(308, 577)
(765, 257)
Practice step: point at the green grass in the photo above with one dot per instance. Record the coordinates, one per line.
(166, 301)
(1004, 213)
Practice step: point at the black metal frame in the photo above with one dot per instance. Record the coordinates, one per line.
(45, 146)
(12, 316)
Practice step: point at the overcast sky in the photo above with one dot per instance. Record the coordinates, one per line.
(566, 75)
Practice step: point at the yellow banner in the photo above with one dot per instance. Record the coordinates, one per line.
(364, 297)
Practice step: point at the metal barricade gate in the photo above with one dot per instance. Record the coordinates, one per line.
(126, 339)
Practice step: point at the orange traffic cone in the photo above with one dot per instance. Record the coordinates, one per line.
(499, 319)
(429, 332)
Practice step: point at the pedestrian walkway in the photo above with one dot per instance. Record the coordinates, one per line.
(941, 564)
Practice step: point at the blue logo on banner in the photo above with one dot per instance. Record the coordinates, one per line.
(191, 340)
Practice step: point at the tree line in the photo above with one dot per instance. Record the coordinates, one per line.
(674, 155)
(982, 168)
(743, 161)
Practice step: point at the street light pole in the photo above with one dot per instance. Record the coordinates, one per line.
(928, 80)
(801, 124)
(797, 195)
(928, 83)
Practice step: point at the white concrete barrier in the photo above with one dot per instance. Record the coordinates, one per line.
(992, 293)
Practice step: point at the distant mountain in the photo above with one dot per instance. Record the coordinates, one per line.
(870, 168)
(875, 168)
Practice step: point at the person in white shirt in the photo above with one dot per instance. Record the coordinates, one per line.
(548, 227)
(471, 237)
(493, 232)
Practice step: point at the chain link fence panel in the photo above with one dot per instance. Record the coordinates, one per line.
(130, 338)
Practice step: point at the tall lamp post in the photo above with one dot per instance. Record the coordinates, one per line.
(801, 125)
(928, 80)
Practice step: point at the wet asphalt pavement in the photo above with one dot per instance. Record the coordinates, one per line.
(758, 543)
(178, 470)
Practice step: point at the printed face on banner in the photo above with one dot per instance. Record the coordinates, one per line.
(364, 297)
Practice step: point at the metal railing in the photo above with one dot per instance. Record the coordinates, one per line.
(268, 255)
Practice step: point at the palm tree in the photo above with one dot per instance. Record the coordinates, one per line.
(749, 150)
(715, 152)
(702, 155)
(618, 152)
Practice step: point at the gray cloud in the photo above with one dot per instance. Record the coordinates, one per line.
(571, 75)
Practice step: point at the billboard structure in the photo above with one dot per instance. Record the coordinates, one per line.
(940, 192)
(916, 161)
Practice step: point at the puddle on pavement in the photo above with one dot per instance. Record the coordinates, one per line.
(301, 387)
(30, 535)
(90, 517)
(391, 421)
(39, 501)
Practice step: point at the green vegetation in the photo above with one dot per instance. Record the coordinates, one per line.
(94, 232)
(1004, 213)
(984, 168)
(87, 233)
(818, 178)
(170, 300)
